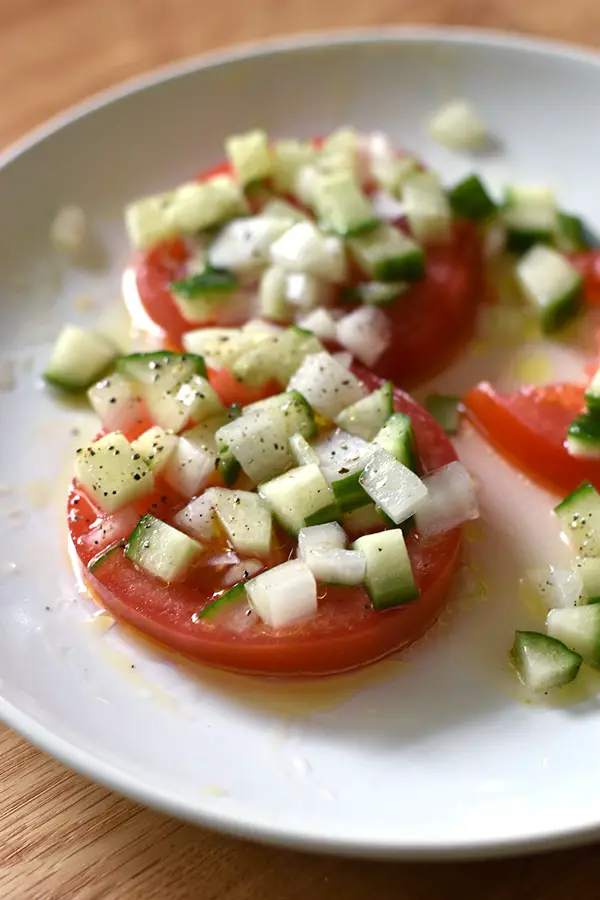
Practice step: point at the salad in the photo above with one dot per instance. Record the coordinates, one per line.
(263, 495)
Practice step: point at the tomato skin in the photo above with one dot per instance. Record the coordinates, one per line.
(529, 427)
(230, 390)
(588, 264)
(347, 632)
(154, 270)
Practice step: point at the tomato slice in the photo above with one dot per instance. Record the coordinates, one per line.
(588, 263)
(529, 427)
(430, 322)
(346, 633)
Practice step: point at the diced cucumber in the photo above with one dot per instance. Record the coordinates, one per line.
(291, 407)
(245, 519)
(155, 446)
(579, 629)
(233, 597)
(277, 357)
(364, 520)
(117, 402)
(204, 434)
(161, 550)
(588, 570)
(390, 171)
(190, 468)
(367, 416)
(188, 209)
(376, 293)
(470, 200)
(326, 384)
(198, 518)
(250, 156)
(300, 497)
(273, 303)
(222, 346)
(386, 254)
(281, 209)
(556, 587)
(342, 458)
(451, 500)
(579, 514)
(303, 248)
(427, 208)
(198, 295)
(592, 394)
(111, 473)
(288, 158)
(583, 436)
(398, 439)
(341, 205)
(283, 595)
(543, 662)
(572, 234)
(393, 486)
(161, 366)
(78, 359)
(530, 216)
(175, 408)
(302, 452)
(366, 333)
(445, 410)
(389, 578)
(552, 285)
(458, 126)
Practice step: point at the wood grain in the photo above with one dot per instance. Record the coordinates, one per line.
(60, 836)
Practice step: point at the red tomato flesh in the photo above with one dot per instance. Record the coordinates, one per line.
(529, 427)
(430, 322)
(345, 634)
(588, 263)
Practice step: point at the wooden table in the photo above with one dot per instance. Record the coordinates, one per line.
(60, 836)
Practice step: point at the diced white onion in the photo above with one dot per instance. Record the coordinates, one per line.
(344, 358)
(556, 587)
(326, 385)
(336, 566)
(189, 468)
(322, 324)
(329, 535)
(244, 243)
(306, 291)
(284, 595)
(68, 229)
(223, 559)
(366, 333)
(242, 571)
(198, 518)
(457, 126)
(110, 530)
(303, 248)
(392, 486)
(386, 207)
(451, 500)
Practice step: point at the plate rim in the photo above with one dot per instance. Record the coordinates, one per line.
(211, 814)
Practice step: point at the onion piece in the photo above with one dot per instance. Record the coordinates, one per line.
(451, 500)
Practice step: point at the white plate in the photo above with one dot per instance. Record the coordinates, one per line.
(433, 754)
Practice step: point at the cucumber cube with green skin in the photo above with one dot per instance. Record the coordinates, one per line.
(367, 416)
(530, 217)
(341, 205)
(161, 550)
(233, 597)
(300, 498)
(246, 520)
(111, 473)
(250, 156)
(552, 285)
(579, 629)
(588, 570)
(543, 662)
(592, 394)
(398, 438)
(470, 200)
(387, 254)
(78, 359)
(194, 401)
(573, 235)
(155, 446)
(579, 514)
(427, 208)
(389, 580)
(445, 410)
(289, 156)
(583, 436)
(375, 293)
(199, 295)
(161, 366)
